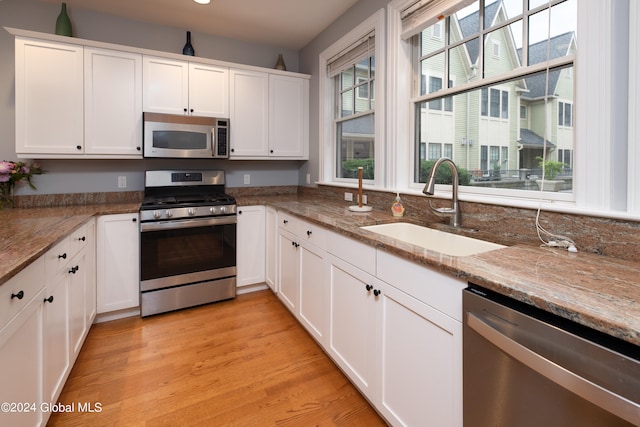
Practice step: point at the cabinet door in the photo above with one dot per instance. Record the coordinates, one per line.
(113, 102)
(118, 262)
(352, 315)
(49, 97)
(314, 290)
(288, 271)
(288, 116)
(250, 249)
(21, 365)
(271, 248)
(208, 91)
(78, 276)
(421, 363)
(165, 85)
(249, 106)
(55, 337)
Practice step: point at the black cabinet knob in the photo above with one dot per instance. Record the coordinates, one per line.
(63, 256)
(377, 292)
(74, 269)
(308, 232)
(79, 147)
(138, 148)
(286, 221)
(49, 300)
(82, 239)
(19, 295)
(134, 219)
(369, 287)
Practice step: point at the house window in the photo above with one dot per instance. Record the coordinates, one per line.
(436, 31)
(491, 60)
(565, 114)
(354, 119)
(494, 103)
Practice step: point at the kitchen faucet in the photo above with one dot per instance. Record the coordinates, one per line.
(429, 188)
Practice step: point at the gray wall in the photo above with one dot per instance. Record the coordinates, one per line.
(309, 65)
(70, 176)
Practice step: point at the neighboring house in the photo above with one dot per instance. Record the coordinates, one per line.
(496, 132)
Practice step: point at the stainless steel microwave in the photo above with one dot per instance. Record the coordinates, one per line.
(177, 136)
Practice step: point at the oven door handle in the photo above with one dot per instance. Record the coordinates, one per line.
(187, 223)
(592, 392)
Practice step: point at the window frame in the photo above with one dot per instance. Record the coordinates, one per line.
(327, 91)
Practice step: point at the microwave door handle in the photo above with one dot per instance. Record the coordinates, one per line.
(213, 142)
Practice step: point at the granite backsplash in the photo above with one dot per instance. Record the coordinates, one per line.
(500, 224)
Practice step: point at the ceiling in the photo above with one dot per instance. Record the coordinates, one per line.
(290, 24)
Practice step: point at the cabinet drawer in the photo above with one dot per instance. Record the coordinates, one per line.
(79, 239)
(355, 253)
(20, 289)
(57, 257)
(440, 291)
(313, 233)
(289, 223)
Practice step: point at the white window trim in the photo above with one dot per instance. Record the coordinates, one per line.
(599, 26)
(327, 133)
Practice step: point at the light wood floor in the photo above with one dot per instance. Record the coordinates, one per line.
(242, 362)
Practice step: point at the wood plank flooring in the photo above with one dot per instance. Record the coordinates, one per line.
(242, 362)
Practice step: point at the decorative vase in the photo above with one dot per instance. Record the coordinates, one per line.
(280, 63)
(188, 48)
(6, 195)
(63, 23)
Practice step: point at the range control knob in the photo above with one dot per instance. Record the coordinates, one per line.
(168, 213)
(156, 214)
(223, 209)
(214, 210)
(191, 211)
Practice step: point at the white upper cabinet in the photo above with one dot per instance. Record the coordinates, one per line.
(288, 116)
(249, 113)
(113, 102)
(181, 87)
(269, 116)
(49, 98)
(208, 90)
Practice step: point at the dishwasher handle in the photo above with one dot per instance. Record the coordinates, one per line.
(592, 392)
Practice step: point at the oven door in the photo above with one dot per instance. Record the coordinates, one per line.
(174, 253)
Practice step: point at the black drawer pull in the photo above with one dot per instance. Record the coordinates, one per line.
(19, 295)
(49, 300)
(63, 256)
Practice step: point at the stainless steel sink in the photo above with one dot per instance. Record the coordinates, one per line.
(433, 240)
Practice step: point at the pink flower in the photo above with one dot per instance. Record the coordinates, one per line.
(6, 167)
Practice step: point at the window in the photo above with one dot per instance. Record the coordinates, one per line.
(497, 62)
(496, 105)
(565, 116)
(351, 85)
(436, 31)
(354, 119)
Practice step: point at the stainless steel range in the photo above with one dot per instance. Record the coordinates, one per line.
(187, 240)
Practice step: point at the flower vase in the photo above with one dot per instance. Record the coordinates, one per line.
(188, 48)
(63, 23)
(6, 195)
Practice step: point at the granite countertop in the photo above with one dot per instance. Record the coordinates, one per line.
(26, 234)
(594, 290)
(597, 291)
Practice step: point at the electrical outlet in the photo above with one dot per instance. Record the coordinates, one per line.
(348, 197)
(122, 182)
(247, 179)
(364, 199)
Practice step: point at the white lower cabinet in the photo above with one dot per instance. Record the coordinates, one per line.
(393, 326)
(353, 312)
(250, 250)
(302, 284)
(118, 267)
(56, 356)
(21, 346)
(271, 240)
(46, 311)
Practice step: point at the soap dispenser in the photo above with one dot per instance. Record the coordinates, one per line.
(396, 208)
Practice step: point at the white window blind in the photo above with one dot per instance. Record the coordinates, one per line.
(364, 48)
(424, 13)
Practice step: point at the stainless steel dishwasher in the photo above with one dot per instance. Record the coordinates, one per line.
(526, 367)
